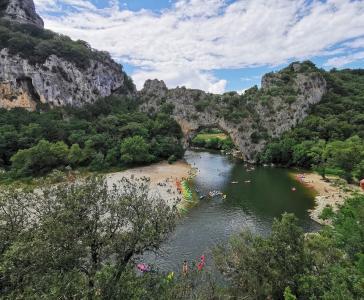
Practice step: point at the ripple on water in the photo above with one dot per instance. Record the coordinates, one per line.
(248, 206)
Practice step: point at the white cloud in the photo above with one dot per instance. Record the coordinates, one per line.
(340, 61)
(358, 43)
(241, 92)
(181, 76)
(184, 44)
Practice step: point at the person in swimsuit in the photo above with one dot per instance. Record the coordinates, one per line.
(185, 268)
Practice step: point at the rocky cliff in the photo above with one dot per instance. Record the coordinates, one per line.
(38, 66)
(250, 119)
(43, 67)
(21, 11)
(57, 82)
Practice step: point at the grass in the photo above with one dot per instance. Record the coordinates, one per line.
(209, 136)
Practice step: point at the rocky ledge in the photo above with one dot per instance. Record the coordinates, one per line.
(20, 11)
(282, 102)
(58, 82)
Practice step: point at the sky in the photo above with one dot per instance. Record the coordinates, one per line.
(213, 45)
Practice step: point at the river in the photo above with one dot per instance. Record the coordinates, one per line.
(248, 206)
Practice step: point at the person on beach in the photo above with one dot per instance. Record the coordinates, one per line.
(185, 268)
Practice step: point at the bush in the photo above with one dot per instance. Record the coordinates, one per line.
(172, 159)
(135, 150)
(40, 159)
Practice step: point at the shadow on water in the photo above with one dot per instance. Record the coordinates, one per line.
(248, 206)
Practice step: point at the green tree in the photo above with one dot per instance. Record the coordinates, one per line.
(98, 163)
(39, 159)
(78, 240)
(75, 155)
(345, 155)
(259, 268)
(135, 150)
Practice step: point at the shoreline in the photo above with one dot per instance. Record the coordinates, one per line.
(162, 176)
(327, 192)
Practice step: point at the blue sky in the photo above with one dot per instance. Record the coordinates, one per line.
(214, 45)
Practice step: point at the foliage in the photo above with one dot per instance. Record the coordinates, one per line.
(213, 139)
(135, 150)
(331, 138)
(260, 267)
(37, 44)
(323, 265)
(39, 159)
(108, 133)
(71, 241)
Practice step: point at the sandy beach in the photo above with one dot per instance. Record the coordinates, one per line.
(328, 193)
(162, 176)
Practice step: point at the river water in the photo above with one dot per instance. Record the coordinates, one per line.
(248, 206)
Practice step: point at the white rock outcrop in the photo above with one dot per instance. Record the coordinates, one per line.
(275, 118)
(21, 11)
(57, 82)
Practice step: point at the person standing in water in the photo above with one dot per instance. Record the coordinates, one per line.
(185, 268)
(201, 264)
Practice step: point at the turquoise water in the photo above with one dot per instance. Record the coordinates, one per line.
(248, 206)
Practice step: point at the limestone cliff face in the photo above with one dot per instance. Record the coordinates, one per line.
(57, 82)
(21, 11)
(274, 117)
(54, 80)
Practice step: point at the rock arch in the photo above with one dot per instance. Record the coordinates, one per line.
(270, 115)
(190, 130)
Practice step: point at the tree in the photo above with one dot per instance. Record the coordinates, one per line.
(98, 163)
(345, 155)
(132, 129)
(359, 171)
(40, 159)
(75, 155)
(135, 150)
(259, 268)
(78, 240)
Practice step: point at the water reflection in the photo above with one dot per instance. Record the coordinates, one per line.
(252, 203)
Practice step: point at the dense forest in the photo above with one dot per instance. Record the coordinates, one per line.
(108, 133)
(331, 139)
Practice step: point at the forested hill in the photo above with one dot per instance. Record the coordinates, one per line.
(40, 67)
(108, 134)
(331, 138)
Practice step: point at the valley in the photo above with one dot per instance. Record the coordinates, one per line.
(112, 192)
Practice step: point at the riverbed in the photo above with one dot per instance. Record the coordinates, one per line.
(254, 197)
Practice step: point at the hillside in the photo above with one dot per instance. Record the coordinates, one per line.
(22, 12)
(331, 138)
(250, 119)
(108, 134)
(38, 66)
